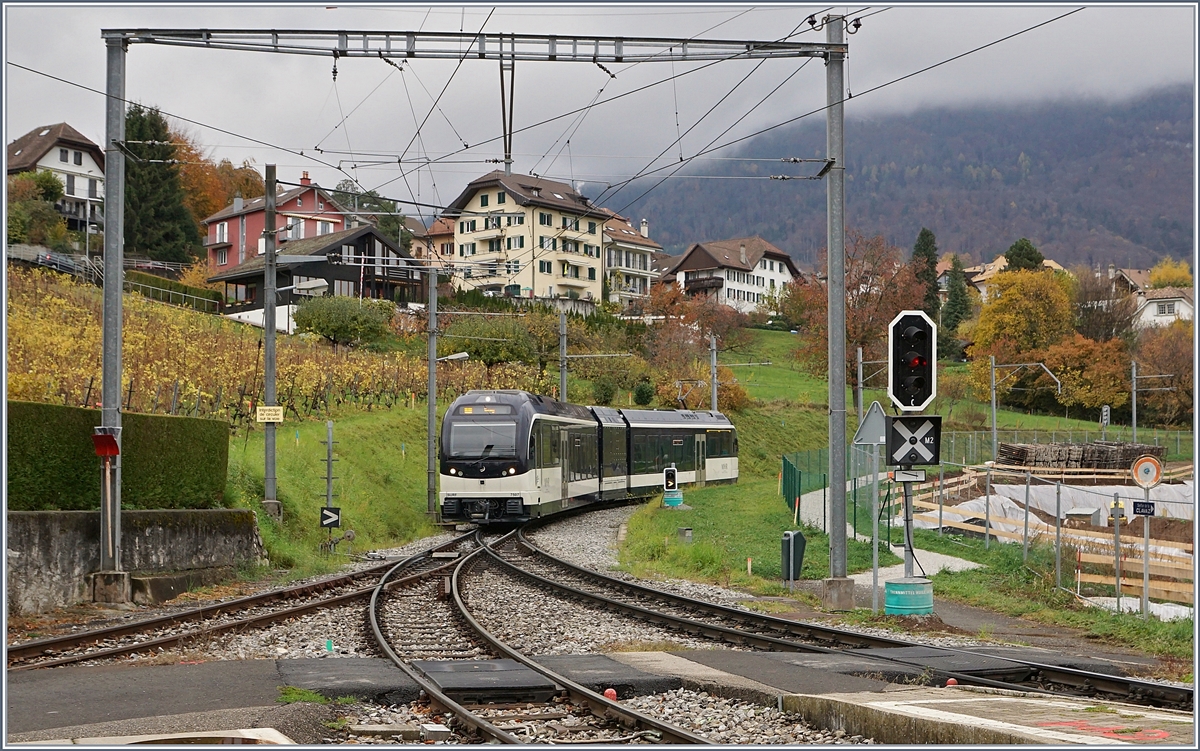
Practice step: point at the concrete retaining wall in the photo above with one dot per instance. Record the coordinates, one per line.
(51, 553)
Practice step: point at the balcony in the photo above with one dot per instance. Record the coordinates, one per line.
(703, 283)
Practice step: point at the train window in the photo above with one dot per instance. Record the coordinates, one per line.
(477, 440)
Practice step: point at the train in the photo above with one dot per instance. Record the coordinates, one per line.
(508, 456)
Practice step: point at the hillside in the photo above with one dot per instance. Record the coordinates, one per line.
(1086, 181)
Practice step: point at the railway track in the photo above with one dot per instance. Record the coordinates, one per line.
(744, 628)
(200, 624)
(407, 626)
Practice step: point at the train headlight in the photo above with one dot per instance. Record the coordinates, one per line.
(512, 470)
(453, 471)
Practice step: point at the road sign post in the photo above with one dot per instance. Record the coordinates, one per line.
(873, 431)
(1147, 472)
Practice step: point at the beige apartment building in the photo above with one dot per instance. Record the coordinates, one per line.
(524, 236)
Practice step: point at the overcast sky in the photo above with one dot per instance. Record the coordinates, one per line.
(1109, 51)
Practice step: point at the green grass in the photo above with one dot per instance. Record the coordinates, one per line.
(1008, 585)
(380, 485)
(730, 523)
(293, 695)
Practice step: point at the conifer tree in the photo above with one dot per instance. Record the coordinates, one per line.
(924, 261)
(1023, 256)
(158, 223)
(958, 305)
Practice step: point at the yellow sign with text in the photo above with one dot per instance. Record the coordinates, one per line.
(270, 414)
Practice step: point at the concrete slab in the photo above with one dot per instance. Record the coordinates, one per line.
(699, 677)
(40, 699)
(369, 678)
(599, 672)
(983, 665)
(848, 663)
(963, 715)
(788, 677)
(1050, 657)
(484, 681)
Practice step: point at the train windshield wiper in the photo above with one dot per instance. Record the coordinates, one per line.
(486, 450)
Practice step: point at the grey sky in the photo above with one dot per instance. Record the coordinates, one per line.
(1103, 51)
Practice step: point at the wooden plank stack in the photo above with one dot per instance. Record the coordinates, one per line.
(1096, 455)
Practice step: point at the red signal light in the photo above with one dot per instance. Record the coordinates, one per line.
(913, 360)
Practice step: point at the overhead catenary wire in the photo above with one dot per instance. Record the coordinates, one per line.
(708, 150)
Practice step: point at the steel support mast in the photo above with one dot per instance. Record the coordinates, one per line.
(838, 589)
(114, 257)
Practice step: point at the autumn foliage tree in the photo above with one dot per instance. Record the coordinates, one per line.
(878, 286)
(1026, 311)
(210, 186)
(1168, 351)
(1170, 273)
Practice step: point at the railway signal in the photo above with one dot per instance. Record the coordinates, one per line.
(914, 440)
(912, 360)
(670, 479)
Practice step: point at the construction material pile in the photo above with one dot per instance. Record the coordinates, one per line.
(1096, 455)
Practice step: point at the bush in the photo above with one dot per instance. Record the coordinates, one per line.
(161, 289)
(643, 393)
(167, 462)
(345, 320)
(604, 389)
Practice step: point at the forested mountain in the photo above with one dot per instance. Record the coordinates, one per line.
(1087, 181)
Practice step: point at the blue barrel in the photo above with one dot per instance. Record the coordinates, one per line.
(672, 497)
(912, 596)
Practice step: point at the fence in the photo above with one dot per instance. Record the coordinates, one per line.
(975, 447)
(1097, 555)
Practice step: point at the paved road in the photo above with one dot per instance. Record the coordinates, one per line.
(40, 699)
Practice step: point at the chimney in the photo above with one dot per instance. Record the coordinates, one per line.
(645, 228)
(1112, 271)
(743, 248)
(238, 204)
(304, 178)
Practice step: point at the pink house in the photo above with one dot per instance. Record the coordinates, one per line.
(235, 233)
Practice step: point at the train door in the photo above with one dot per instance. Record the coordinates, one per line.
(535, 456)
(701, 456)
(564, 443)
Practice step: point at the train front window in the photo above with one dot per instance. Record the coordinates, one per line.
(475, 440)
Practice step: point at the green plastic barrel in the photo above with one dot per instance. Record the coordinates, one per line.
(913, 596)
(672, 497)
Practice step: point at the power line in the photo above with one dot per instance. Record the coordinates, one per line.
(868, 91)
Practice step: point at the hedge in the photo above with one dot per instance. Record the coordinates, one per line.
(168, 285)
(167, 462)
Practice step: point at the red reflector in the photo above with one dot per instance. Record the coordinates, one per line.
(106, 445)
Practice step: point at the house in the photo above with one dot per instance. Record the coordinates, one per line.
(982, 275)
(421, 247)
(1162, 307)
(441, 242)
(1128, 281)
(526, 236)
(628, 259)
(73, 159)
(235, 233)
(739, 273)
(373, 266)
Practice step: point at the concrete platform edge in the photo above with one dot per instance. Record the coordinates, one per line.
(889, 727)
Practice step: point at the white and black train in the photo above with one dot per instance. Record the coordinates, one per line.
(510, 456)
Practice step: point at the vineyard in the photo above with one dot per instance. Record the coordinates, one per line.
(178, 361)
